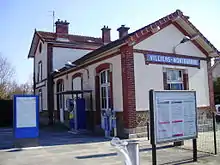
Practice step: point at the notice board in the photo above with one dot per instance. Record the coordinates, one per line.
(26, 116)
(175, 116)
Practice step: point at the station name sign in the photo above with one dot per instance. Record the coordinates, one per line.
(172, 60)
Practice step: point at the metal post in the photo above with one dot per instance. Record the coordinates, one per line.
(152, 135)
(92, 113)
(133, 152)
(214, 130)
(148, 131)
(194, 150)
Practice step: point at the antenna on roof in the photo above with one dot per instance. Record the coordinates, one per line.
(53, 15)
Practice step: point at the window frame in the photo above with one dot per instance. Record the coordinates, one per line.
(60, 88)
(40, 93)
(173, 82)
(39, 71)
(81, 85)
(106, 85)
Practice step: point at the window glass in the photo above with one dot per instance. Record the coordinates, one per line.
(108, 76)
(40, 48)
(60, 88)
(175, 79)
(39, 72)
(103, 92)
(103, 77)
(77, 85)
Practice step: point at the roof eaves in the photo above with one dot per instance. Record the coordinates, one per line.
(32, 44)
(202, 36)
(100, 50)
(92, 55)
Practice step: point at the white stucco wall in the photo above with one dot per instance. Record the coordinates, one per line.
(151, 76)
(41, 57)
(90, 83)
(166, 39)
(62, 55)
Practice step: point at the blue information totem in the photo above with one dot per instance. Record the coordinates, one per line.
(26, 117)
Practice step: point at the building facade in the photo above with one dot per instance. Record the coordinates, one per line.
(169, 54)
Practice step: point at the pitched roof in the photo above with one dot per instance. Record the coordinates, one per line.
(49, 36)
(66, 39)
(147, 31)
(177, 18)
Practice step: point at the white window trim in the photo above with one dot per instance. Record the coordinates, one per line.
(170, 82)
(106, 85)
(39, 71)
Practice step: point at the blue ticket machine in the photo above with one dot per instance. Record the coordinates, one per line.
(70, 107)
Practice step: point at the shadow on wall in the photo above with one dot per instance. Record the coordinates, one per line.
(6, 111)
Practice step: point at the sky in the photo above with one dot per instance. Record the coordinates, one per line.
(19, 18)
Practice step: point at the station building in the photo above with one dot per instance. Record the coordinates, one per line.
(169, 54)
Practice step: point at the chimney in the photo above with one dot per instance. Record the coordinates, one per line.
(106, 35)
(123, 31)
(62, 27)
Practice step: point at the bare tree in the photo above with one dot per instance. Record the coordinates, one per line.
(6, 75)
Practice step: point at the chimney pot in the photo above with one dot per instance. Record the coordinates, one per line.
(123, 31)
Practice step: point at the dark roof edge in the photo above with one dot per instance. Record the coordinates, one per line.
(32, 42)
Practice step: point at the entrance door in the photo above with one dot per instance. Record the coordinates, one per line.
(104, 93)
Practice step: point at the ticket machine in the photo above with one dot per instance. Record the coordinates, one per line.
(77, 113)
(109, 122)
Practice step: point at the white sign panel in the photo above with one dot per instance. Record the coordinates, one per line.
(175, 116)
(26, 112)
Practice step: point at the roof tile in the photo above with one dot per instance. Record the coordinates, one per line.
(72, 38)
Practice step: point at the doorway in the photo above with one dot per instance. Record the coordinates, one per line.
(105, 94)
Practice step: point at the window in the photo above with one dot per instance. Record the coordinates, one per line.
(175, 79)
(77, 84)
(40, 100)
(40, 48)
(60, 98)
(39, 71)
(105, 90)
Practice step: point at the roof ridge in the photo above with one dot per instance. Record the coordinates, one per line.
(177, 12)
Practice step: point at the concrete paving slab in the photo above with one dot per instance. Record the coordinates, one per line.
(87, 150)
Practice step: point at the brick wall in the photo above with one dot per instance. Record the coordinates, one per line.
(128, 83)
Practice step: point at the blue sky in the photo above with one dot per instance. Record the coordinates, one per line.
(20, 18)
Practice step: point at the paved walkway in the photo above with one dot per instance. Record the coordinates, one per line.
(68, 149)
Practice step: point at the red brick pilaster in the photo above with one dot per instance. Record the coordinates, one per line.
(211, 87)
(128, 87)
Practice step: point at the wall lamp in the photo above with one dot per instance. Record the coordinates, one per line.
(54, 71)
(184, 40)
(70, 64)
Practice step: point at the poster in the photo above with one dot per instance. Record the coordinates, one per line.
(26, 112)
(175, 116)
(26, 116)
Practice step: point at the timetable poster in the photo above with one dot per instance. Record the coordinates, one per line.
(175, 116)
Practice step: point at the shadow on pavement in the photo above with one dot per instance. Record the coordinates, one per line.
(185, 161)
(50, 136)
(114, 154)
